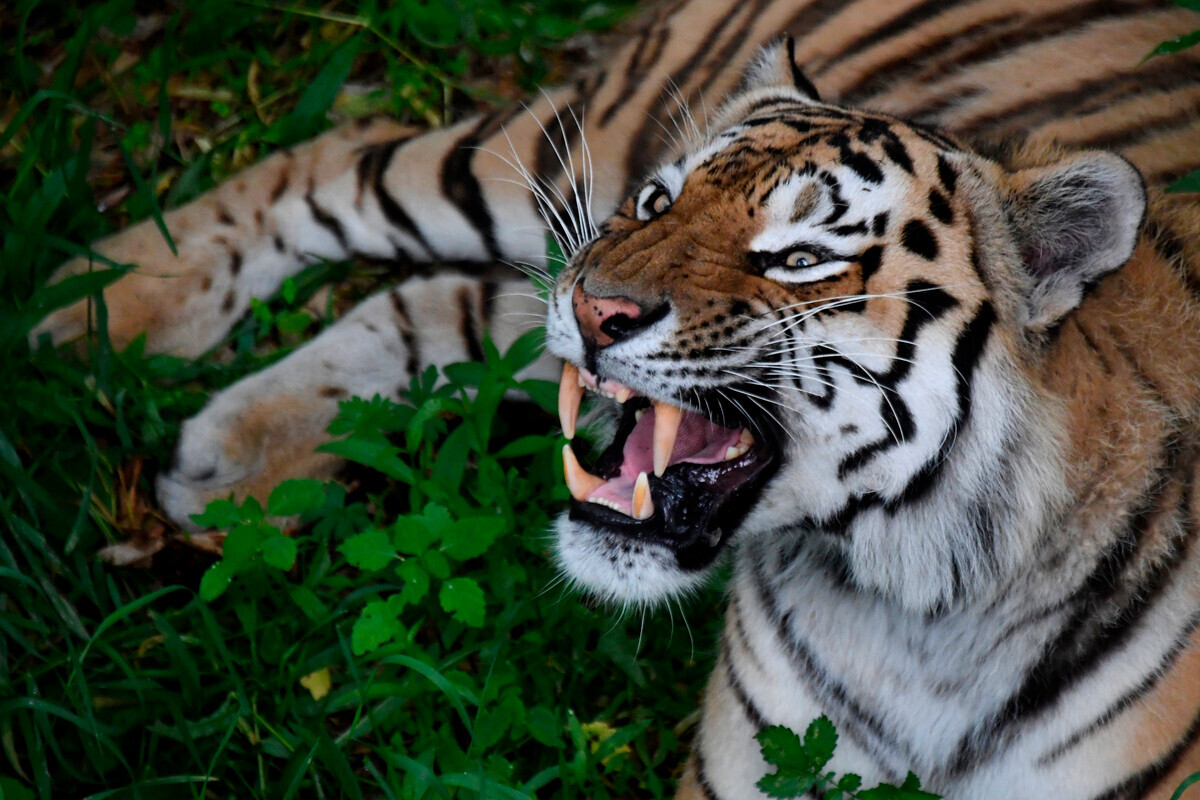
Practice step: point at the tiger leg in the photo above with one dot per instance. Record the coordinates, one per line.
(266, 427)
(234, 243)
(369, 189)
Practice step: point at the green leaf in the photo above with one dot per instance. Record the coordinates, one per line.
(1190, 780)
(292, 322)
(380, 456)
(308, 118)
(412, 536)
(296, 496)
(463, 598)
(379, 623)
(782, 747)
(215, 581)
(435, 562)
(1193, 5)
(242, 545)
(849, 782)
(1188, 183)
(819, 742)
(490, 726)
(1175, 45)
(544, 727)
(369, 550)
(451, 460)
(525, 350)
(416, 580)
(785, 785)
(279, 551)
(472, 536)
(220, 514)
(527, 446)
(308, 603)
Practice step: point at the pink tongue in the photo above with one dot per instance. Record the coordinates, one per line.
(699, 442)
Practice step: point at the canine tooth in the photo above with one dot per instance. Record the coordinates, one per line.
(747, 438)
(666, 428)
(623, 395)
(735, 451)
(580, 482)
(643, 506)
(570, 393)
(637, 415)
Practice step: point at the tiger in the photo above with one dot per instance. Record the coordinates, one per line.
(905, 325)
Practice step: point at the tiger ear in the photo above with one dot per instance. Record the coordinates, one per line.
(775, 65)
(1076, 221)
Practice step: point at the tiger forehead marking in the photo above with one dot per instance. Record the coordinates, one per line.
(873, 198)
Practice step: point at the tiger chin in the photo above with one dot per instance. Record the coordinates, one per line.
(859, 355)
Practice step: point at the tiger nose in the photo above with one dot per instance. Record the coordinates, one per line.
(607, 320)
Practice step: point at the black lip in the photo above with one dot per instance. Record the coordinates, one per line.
(692, 501)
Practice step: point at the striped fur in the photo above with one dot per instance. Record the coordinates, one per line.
(1005, 603)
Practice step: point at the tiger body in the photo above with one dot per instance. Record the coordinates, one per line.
(964, 526)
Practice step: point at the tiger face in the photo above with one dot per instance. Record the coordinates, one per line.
(826, 322)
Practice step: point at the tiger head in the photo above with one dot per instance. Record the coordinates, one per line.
(826, 325)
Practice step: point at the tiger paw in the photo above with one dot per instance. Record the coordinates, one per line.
(244, 444)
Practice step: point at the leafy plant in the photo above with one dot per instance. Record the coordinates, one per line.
(800, 764)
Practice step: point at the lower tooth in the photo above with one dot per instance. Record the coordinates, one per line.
(714, 537)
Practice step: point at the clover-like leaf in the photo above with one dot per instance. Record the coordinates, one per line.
(369, 550)
(463, 598)
(296, 496)
(279, 551)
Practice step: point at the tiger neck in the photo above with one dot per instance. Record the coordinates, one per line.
(997, 502)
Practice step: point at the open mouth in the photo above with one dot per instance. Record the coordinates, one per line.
(671, 476)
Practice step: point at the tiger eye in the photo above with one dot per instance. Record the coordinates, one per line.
(801, 258)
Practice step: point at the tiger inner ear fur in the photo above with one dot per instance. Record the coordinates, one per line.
(1076, 221)
(775, 65)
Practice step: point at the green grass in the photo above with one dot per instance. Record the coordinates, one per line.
(424, 599)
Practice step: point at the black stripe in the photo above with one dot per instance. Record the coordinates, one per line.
(1084, 97)
(753, 713)
(1170, 248)
(390, 206)
(644, 145)
(947, 174)
(927, 303)
(650, 45)
(1108, 607)
(921, 12)
(916, 238)
(849, 716)
(1136, 786)
(462, 188)
(407, 334)
(1164, 665)
(467, 324)
(960, 49)
(702, 776)
(1136, 131)
(967, 351)
(327, 221)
